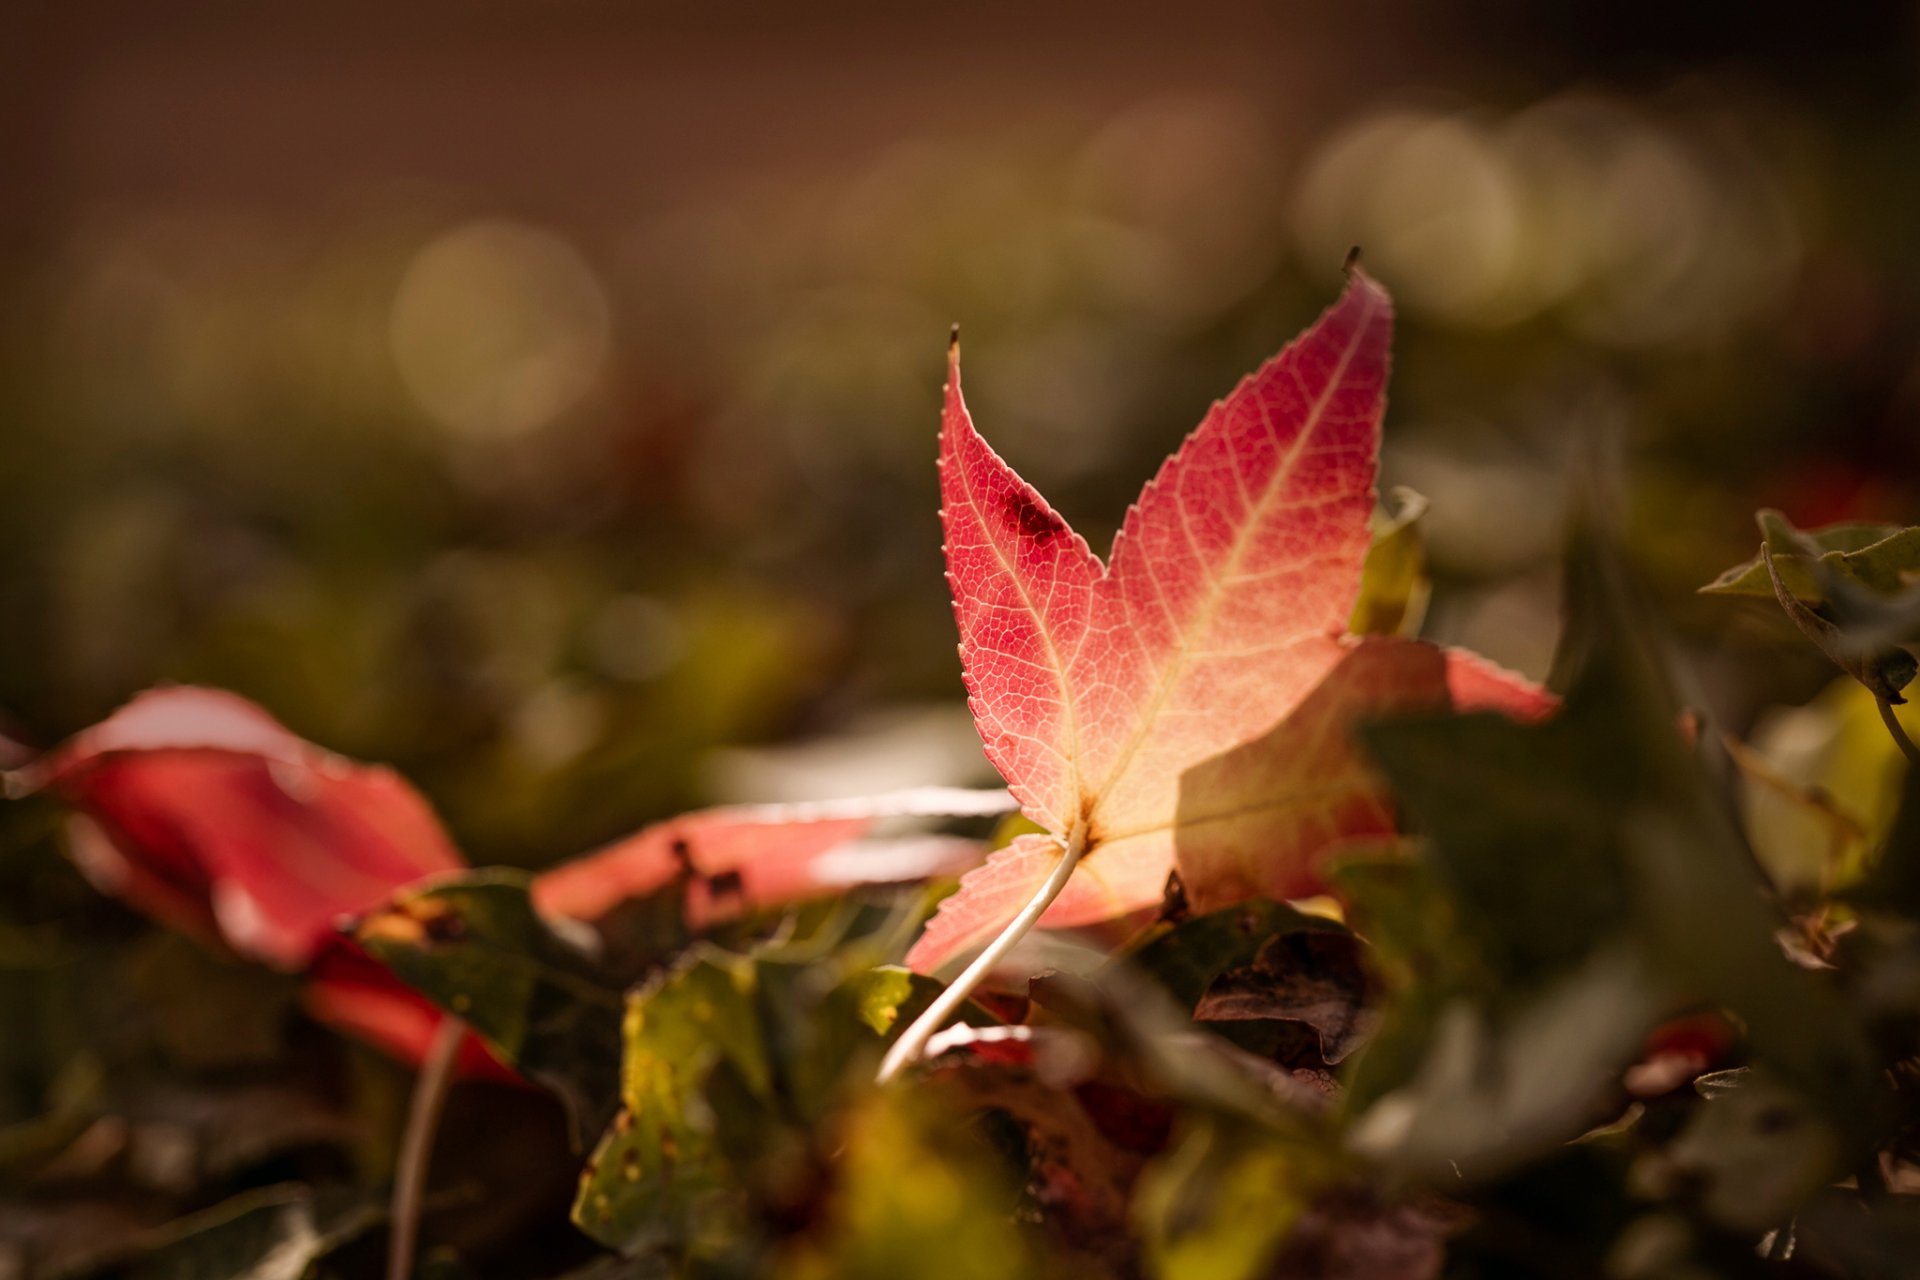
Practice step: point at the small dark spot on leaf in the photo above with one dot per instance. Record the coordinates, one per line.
(1033, 519)
(1173, 899)
(445, 927)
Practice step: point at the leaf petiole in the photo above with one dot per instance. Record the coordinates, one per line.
(416, 1145)
(913, 1041)
(1898, 731)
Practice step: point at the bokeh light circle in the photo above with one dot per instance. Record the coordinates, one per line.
(498, 328)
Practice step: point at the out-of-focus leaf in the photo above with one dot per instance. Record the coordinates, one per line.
(730, 1062)
(1490, 1092)
(1884, 558)
(1884, 669)
(1352, 1236)
(1749, 1157)
(476, 946)
(280, 1233)
(1093, 1088)
(199, 808)
(1587, 851)
(357, 995)
(1272, 979)
(1081, 1139)
(1219, 1206)
(1807, 843)
(1866, 1240)
(913, 1198)
(1153, 1043)
(1836, 751)
(1393, 582)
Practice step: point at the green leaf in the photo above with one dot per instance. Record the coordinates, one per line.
(1749, 1157)
(660, 1179)
(878, 995)
(1808, 844)
(475, 946)
(731, 1063)
(1846, 588)
(1220, 1205)
(1837, 752)
(914, 1197)
(1883, 558)
(1393, 583)
(1884, 669)
(1594, 867)
(1497, 1087)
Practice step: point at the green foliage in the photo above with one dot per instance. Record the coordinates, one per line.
(1588, 948)
(915, 1196)
(1219, 1206)
(1883, 558)
(476, 946)
(1851, 589)
(1393, 585)
(732, 1062)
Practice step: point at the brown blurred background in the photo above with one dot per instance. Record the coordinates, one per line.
(542, 397)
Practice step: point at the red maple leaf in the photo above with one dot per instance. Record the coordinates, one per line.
(1102, 691)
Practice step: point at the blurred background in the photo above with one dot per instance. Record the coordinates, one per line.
(542, 397)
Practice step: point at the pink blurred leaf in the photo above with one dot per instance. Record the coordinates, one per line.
(198, 807)
(767, 854)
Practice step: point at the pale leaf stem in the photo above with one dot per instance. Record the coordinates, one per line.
(1899, 732)
(914, 1039)
(416, 1145)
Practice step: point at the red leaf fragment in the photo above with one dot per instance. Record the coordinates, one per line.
(766, 854)
(202, 810)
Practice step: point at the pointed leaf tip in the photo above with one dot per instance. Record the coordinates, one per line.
(1352, 264)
